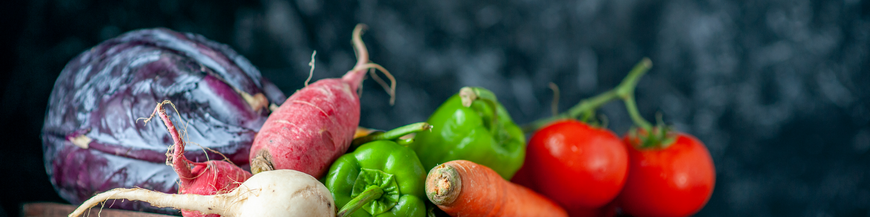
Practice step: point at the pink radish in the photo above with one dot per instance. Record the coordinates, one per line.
(272, 193)
(316, 124)
(207, 178)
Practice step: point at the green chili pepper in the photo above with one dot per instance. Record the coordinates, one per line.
(380, 177)
(473, 126)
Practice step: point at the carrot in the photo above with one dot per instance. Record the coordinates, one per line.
(316, 124)
(464, 188)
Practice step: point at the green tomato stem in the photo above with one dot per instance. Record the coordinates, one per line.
(554, 106)
(393, 134)
(587, 107)
(626, 91)
(370, 194)
(638, 120)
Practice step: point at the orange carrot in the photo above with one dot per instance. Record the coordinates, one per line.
(362, 131)
(464, 188)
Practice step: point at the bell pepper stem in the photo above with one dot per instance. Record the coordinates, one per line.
(469, 94)
(624, 90)
(393, 134)
(405, 142)
(371, 193)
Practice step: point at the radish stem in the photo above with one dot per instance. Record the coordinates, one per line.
(177, 159)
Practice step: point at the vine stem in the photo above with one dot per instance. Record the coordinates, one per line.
(638, 120)
(624, 91)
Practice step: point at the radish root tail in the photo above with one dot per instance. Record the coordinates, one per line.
(158, 199)
(391, 89)
(311, 72)
(363, 63)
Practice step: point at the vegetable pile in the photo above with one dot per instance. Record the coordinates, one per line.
(91, 140)
(309, 157)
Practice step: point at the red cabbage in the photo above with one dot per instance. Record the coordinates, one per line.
(101, 93)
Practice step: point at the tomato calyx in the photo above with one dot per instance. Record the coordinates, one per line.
(662, 137)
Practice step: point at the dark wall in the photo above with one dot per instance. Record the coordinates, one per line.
(778, 90)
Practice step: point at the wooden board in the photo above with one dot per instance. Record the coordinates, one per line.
(63, 210)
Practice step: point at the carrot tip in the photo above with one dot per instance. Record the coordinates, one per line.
(443, 185)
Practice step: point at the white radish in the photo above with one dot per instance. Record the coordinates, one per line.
(270, 193)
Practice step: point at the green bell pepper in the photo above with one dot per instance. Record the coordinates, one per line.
(380, 177)
(473, 126)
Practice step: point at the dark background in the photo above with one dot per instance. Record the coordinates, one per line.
(777, 90)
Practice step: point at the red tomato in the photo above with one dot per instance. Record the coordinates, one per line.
(674, 181)
(580, 167)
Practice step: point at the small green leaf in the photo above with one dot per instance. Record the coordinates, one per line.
(377, 178)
